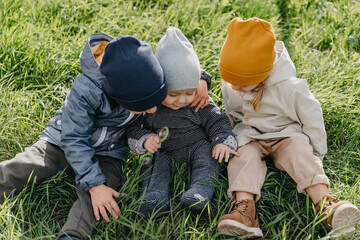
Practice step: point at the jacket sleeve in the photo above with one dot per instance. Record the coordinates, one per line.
(308, 111)
(217, 125)
(137, 134)
(77, 123)
(207, 77)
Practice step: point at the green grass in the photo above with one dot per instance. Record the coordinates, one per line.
(40, 42)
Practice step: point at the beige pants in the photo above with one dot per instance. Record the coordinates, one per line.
(293, 155)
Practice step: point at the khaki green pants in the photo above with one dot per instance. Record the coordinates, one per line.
(44, 160)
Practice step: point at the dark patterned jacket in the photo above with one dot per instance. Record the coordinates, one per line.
(186, 127)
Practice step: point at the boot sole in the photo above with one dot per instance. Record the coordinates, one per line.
(345, 218)
(233, 228)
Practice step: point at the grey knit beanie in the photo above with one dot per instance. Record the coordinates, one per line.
(178, 60)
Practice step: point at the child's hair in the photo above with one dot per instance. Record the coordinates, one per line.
(258, 96)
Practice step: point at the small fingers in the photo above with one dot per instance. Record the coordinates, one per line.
(153, 146)
(114, 205)
(115, 194)
(235, 153)
(115, 210)
(216, 153)
(196, 101)
(96, 213)
(221, 154)
(156, 139)
(156, 143)
(227, 155)
(200, 105)
(104, 214)
(207, 101)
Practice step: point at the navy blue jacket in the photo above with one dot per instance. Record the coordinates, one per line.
(89, 123)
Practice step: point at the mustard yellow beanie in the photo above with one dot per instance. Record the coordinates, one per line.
(248, 53)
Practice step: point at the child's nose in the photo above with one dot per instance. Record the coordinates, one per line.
(181, 99)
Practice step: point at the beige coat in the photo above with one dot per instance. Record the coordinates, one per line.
(288, 108)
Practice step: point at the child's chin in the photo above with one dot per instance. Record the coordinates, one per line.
(177, 108)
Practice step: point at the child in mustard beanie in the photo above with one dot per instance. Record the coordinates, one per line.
(273, 113)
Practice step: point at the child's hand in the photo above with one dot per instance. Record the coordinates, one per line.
(221, 150)
(152, 144)
(201, 96)
(102, 199)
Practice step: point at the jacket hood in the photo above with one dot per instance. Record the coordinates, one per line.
(89, 66)
(284, 67)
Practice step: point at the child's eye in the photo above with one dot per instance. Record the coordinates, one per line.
(190, 93)
(172, 94)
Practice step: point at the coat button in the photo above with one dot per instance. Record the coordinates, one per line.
(112, 146)
(248, 103)
(246, 118)
(58, 122)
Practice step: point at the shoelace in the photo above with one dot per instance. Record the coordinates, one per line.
(328, 201)
(240, 206)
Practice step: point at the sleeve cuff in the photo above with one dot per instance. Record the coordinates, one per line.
(137, 145)
(231, 142)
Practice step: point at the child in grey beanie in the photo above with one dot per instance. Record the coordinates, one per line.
(200, 138)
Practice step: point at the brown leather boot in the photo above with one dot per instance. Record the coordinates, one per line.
(241, 220)
(340, 218)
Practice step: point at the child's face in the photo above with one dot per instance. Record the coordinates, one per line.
(178, 99)
(244, 88)
(151, 110)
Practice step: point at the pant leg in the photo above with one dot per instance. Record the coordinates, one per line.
(247, 172)
(160, 176)
(295, 156)
(155, 185)
(41, 160)
(204, 170)
(81, 220)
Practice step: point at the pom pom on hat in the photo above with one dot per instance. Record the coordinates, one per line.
(133, 76)
(178, 60)
(248, 53)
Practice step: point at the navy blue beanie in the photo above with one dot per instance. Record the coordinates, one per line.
(134, 77)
